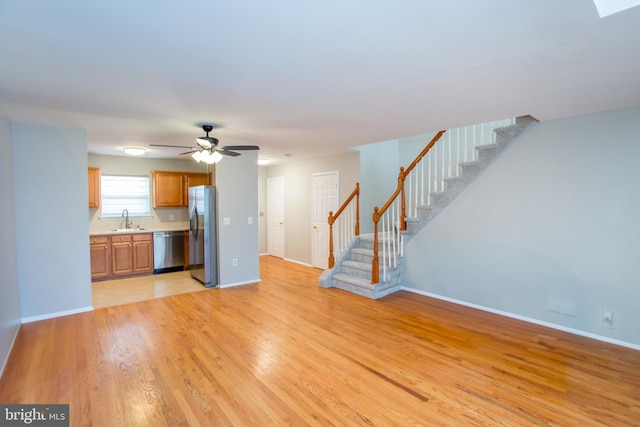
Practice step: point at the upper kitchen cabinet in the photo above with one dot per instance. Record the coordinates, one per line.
(170, 188)
(94, 188)
(167, 189)
(193, 180)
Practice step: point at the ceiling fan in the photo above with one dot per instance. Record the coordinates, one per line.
(208, 150)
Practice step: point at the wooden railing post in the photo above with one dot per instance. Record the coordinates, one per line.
(403, 203)
(330, 221)
(357, 191)
(375, 263)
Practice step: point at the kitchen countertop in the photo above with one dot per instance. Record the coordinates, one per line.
(134, 230)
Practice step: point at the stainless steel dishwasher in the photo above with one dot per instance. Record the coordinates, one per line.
(168, 251)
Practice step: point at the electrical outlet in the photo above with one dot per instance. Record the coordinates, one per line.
(607, 318)
(171, 217)
(250, 220)
(226, 221)
(235, 262)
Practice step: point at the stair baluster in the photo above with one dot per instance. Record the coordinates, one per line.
(352, 216)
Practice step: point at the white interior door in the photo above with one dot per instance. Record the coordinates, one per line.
(325, 195)
(275, 216)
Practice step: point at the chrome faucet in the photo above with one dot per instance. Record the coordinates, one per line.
(125, 214)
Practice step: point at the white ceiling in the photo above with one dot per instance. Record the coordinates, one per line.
(308, 78)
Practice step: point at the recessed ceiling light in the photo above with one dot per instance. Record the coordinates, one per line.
(264, 162)
(135, 151)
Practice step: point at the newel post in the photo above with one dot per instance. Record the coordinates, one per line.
(357, 230)
(330, 221)
(403, 203)
(375, 264)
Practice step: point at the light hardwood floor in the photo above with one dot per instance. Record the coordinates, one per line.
(286, 352)
(134, 289)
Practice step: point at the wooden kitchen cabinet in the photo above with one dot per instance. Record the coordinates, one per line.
(121, 255)
(168, 189)
(142, 253)
(94, 188)
(100, 250)
(171, 189)
(193, 180)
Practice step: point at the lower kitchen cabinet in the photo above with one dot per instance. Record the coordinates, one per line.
(120, 255)
(100, 249)
(142, 255)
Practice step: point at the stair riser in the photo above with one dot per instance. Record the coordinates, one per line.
(368, 244)
(508, 134)
(373, 292)
(362, 257)
(487, 154)
(470, 170)
(356, 272)
(439, 199)
(453, 185)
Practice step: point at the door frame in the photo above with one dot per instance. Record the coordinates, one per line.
(269, 201)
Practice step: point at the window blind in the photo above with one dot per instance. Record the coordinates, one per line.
(130, 192)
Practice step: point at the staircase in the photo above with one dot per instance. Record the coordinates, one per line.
(353, 270)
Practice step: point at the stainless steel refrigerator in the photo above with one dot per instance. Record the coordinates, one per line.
(203, 239)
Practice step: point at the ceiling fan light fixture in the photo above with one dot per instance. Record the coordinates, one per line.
(204, 142)
(197, 156)
(135, 151)
(214, 157)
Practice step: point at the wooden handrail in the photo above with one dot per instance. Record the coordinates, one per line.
(424, 151)
(332, 218)
(377, 213)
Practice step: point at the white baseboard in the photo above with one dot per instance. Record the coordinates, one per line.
(6, 359)
(248, 282)
(527, 319)
(57, 314)
(298, 262)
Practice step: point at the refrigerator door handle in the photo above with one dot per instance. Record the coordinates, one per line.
(195, 214)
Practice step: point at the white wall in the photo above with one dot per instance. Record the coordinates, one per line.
(549, 232)
(262, 209)
(297, 184)
(379, 168)
(9, 291)
(51, 198)
(237, 188)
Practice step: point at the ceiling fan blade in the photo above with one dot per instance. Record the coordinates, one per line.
(188, 152)
(242, 147)
(173, 146)
(227, 152)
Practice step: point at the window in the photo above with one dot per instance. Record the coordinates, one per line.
(130, 192)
